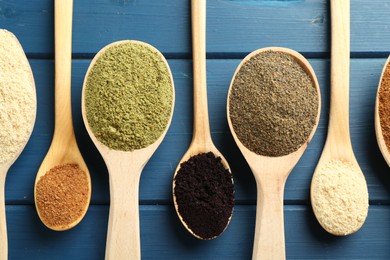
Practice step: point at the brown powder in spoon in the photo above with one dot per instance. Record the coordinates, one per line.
(62, 194)
(384, 106)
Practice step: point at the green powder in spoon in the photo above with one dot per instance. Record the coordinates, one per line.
(128, 96)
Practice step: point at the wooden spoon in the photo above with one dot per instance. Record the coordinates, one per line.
(378, 128)
(201, 139)
(7, 164)
(271, 174)
(338, 145)
(63, 148)
(125, 168)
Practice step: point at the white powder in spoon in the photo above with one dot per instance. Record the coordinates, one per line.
(17, 98)
(340, 197)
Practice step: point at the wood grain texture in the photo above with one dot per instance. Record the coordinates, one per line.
(235, 27)
(163, 236)
(156, 180)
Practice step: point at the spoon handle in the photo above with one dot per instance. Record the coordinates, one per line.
(63, 60)
(3, 223)
(269, 232)
(338, 130)
(123, 238)
(201, 118)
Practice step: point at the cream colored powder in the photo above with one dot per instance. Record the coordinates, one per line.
(340, 197)
(17, 98)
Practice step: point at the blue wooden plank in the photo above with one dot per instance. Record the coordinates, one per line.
(157, 176)
(163, 236)
(234, 27)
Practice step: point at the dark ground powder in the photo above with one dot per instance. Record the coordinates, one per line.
(273, 104)
(62, 195)
(204, 194)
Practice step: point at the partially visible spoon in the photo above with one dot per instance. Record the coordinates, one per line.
(382, 94)
(271, 172)
(125, 166)
(17, 112)
(339, 194)
(201, 140)
(63, 149)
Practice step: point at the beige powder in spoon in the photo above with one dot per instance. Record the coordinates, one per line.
(17, 97)
(340, 197)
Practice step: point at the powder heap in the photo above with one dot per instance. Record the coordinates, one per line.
(62, 195)
(204, 195)
(129, 96)
(340, 197)
(17, 98)
(384, 106)
(273, 104)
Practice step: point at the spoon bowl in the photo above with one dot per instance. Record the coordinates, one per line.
(271, 174)
(63, 148)
(19, 58)
(378, 129)
(345, 210)
(201, 139)
(197, 147)
(124, 168)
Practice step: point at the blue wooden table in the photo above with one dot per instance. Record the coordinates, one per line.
(234, 28)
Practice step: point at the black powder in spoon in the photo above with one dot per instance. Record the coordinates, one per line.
(273, 104)
(204, 195)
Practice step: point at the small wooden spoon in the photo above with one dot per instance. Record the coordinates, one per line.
(378, 128)
(125, 168)
(338, 145)
(201, 139)
(63, 148)
(6, 165)
(271, 174)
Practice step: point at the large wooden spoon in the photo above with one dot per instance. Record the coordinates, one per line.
(271, 174)
(20, 59)
(201, 138)
(125, 168)
(378, 129)
(63, 148)
(338, 147)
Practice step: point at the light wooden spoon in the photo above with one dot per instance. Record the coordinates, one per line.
(63, 148)
(271, 174)
(378, 128)
(201, 139)
(7, 164)
(338, 145)
(125, 168)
